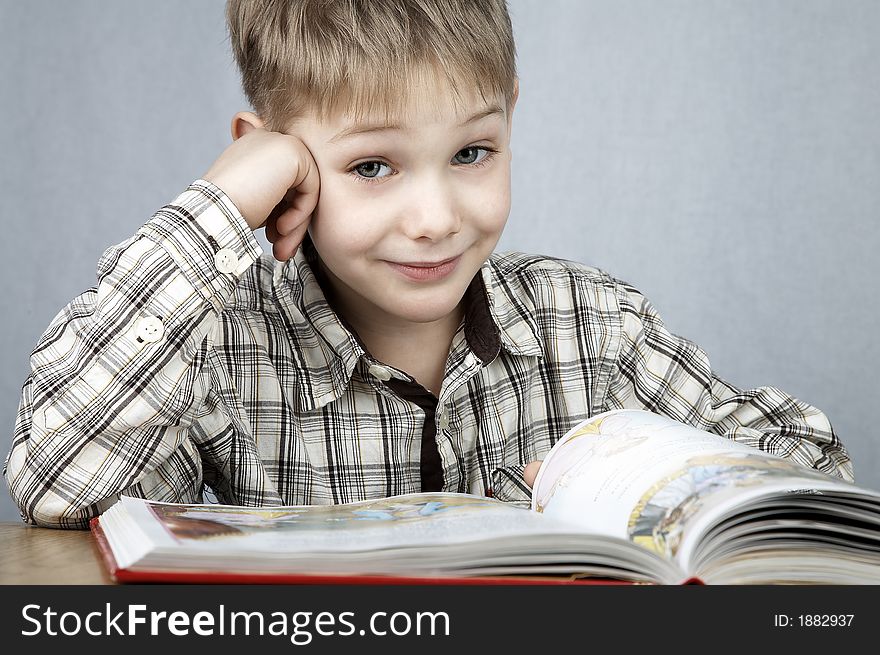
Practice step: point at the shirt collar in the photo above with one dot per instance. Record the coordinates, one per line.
(325, 351)
(497, 315)
(511, 305)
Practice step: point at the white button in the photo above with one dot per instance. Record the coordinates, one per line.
(226, 260)
(444, 421)
(380, 372)
(149, 329)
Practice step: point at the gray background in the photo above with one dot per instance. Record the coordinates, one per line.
(722, 156)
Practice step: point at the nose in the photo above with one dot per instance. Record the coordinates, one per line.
(433, 212)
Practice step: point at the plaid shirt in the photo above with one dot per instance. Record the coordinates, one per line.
(197, 364)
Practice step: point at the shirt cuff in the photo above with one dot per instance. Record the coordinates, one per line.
(509, 486)
(207, 237)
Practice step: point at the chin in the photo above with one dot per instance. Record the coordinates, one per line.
(426, 309)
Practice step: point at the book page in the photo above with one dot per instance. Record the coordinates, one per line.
(398, 521)
(423, 533)
(647, 478)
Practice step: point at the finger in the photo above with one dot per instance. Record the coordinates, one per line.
(531, 472)
(286, 247)
(272, 230)
(287, 244)
(301, 197)
(307, 186)
(277, 211)
(291, 220)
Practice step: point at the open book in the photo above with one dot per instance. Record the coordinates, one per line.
(626, 495)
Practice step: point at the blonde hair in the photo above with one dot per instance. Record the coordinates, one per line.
(360, 56)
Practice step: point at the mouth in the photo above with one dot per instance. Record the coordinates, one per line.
(423, 271)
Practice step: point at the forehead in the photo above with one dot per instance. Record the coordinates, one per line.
(426, 99)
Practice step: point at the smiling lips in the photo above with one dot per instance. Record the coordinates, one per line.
(426, 271)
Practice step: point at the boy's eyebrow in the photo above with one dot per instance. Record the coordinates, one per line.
(383, 127)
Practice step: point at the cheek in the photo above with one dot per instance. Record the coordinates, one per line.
(493, 202)
(339, 224)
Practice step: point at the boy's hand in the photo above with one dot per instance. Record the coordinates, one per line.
(273, 180)
(531, 472)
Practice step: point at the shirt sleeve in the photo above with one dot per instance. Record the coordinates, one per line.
(667, 374)
(117, 378)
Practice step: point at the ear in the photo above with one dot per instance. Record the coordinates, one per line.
(243, 122)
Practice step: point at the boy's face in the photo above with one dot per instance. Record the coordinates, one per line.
(433, 189)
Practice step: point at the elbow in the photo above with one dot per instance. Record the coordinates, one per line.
(842, 467)
(56, 516)
(44, 508)
(835, 459)
(831, 459)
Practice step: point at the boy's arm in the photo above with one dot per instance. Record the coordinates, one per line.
(669, 375)
(117, 377)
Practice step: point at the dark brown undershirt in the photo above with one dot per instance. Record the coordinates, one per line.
(430, 465)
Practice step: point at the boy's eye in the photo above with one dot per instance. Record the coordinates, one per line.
(372, 170)
(471, 154)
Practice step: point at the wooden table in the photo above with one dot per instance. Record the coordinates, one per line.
(32, 555)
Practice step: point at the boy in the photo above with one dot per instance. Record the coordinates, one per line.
(388, 350)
